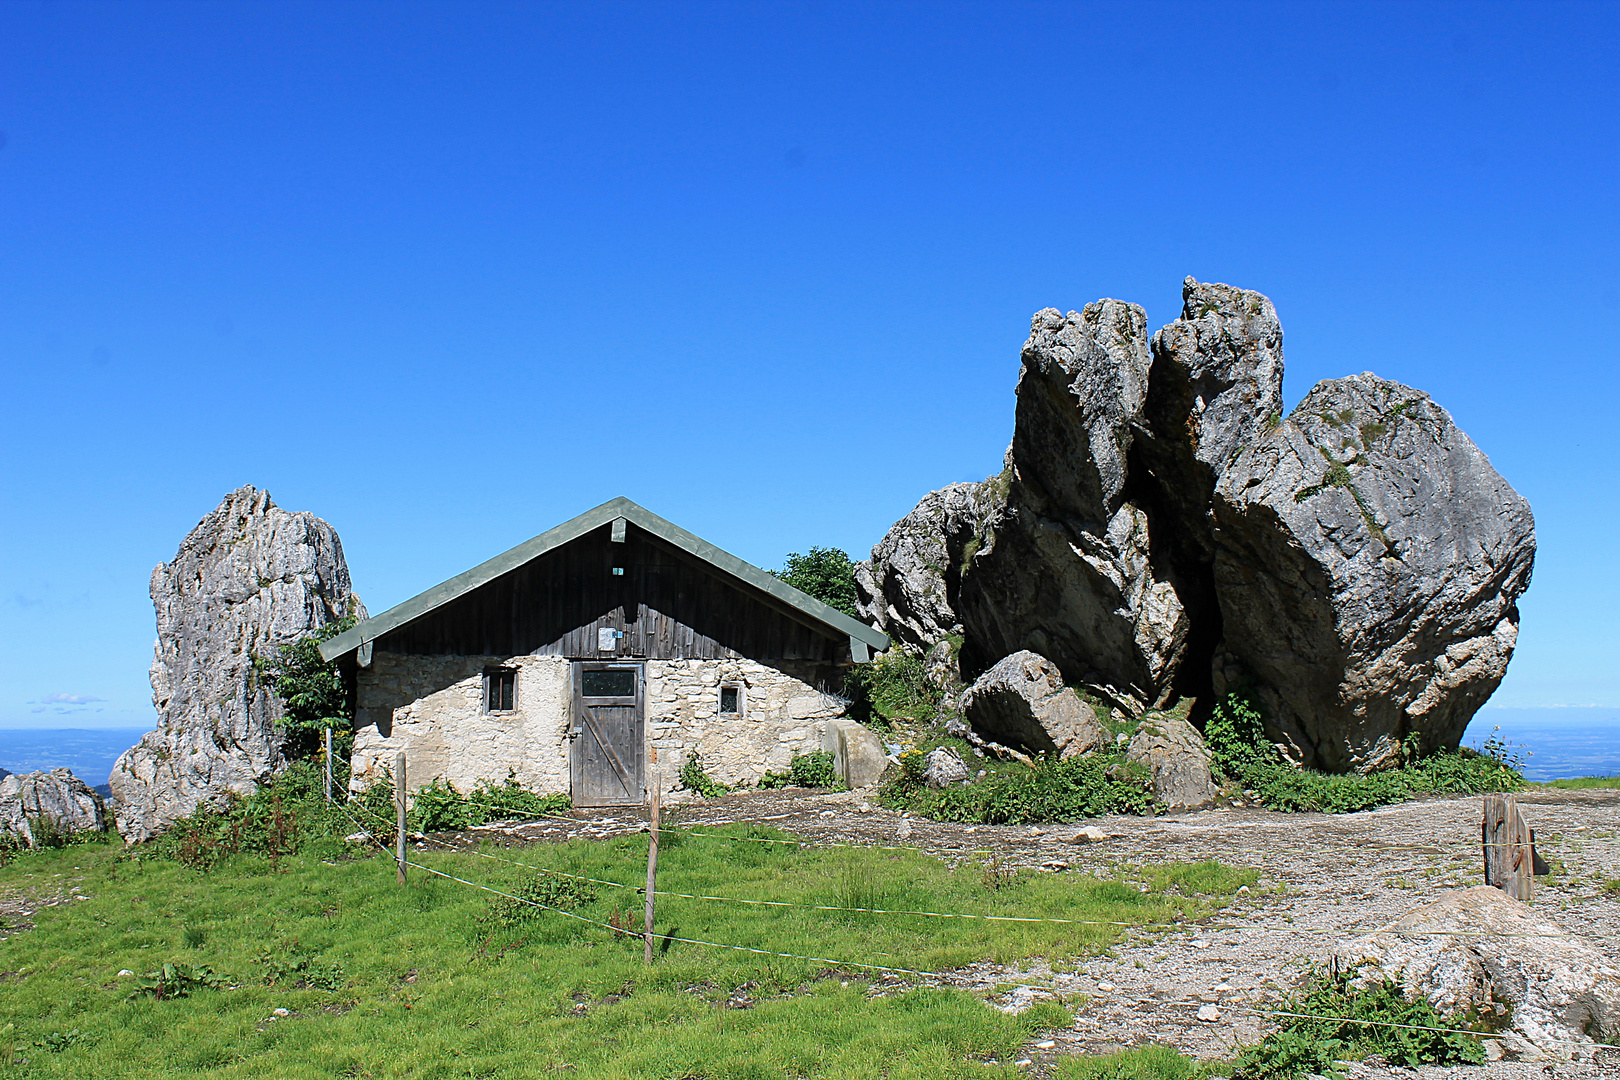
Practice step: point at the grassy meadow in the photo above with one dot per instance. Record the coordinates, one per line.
(439, 979)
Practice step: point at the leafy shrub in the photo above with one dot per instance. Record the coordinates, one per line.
(894, 686)
(554, 891)
(812, 770)
(1240, 750)
(174, 980)
(826, 574)
(693, 778)
(437, 808)
(1054, 790)
(313, 697)
(1350, 1024)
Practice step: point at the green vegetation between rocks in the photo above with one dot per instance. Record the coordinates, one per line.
(1241, 752)
(439, 979)
(813, 770)
(893, 688)
(1013, 793)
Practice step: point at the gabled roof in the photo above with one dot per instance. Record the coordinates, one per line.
(836, 622)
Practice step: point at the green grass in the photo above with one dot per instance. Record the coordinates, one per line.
(435, 980)
(1581, 783)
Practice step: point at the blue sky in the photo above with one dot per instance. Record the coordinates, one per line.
(447, 275)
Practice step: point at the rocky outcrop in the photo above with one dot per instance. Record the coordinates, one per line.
(1161, 531)
(39, 808)
(250, 578)
(1475, 949)
(1022, 700)
(1068, 569)
(1369, 560)
(909, 589)
(1177, 762)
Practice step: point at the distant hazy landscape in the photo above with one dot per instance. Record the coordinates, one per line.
(1559, 743)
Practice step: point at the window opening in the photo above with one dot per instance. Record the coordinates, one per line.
(616, 683)
(500, 690)
(730, 699)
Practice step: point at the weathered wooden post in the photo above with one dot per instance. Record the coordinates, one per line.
(1509, 857)
(399, 813)
(328, 756)
(652, 860)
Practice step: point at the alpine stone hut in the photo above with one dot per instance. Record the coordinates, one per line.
(566, 659)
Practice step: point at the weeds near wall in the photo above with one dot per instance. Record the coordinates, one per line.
(812, 770)
(892, 687)
(1054, 790)
(693, 778)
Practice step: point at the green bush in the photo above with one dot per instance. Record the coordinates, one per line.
(1240, 751)
(284, 816)
(313, 697)
(1054, 790)
(892, 687)
(826, 574)
(693, 778)
(554, 891)
(438, 807)
(812, 770)
(176, 980)
(1349, 1024)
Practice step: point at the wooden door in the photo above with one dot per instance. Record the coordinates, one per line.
(608, 734)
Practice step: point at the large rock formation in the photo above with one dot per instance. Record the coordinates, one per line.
(1369, 562)
(1474, 949)
(250, 578)
(39, 807)
(1160, 531)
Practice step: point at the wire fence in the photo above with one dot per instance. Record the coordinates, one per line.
(917, 913)
(942, 978)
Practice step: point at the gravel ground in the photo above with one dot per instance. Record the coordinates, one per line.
(1323, 878)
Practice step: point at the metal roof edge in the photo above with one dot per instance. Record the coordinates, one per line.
(504, 563)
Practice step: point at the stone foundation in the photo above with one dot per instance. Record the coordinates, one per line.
(432, 708)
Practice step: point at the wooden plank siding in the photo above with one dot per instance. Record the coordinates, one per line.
(668, 605)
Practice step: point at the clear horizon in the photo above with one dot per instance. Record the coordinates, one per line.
(448, 275)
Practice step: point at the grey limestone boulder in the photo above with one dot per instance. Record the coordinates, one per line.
(250, 578)
(1369, 563)
(858, 754)
(944, 767)
(1022, 700)
(35, 804)
(1177, 761)
(1477, 948)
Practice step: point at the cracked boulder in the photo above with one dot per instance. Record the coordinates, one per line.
(1480, 950)
(39, 808)
(1022, 700)
(250, 578)
(1368, 564)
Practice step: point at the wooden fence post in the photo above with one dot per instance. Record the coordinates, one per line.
(328, 766)
(399, 813)
(1509, 858)
(652, 860)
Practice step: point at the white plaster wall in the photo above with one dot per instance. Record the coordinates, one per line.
(432, 708)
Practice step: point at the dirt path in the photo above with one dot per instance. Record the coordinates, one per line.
(1323, 878)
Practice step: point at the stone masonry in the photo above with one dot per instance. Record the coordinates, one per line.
(432, 708)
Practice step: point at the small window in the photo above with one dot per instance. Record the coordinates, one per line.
(500, 690)
(617, 683)
(618, 571)
(731, 699)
